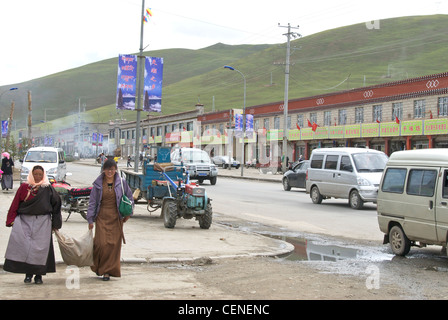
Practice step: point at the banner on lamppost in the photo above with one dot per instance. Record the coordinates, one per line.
(249, 125)
(126, 82)
(153, 84)
(4, 128)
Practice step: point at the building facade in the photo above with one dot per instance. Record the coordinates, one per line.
(400, 115)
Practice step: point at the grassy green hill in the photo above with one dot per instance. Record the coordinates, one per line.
(328, 61)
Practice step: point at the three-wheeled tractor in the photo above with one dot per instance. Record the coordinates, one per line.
(167, 187)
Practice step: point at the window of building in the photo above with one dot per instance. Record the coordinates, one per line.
(256, 125)
(300, 120)
(313, 117)
(443, 106)
(276, 123)
(342, 117)
(190, 126)
(266, 123)
(377, 115)
(327, 118)
(359, 115)
(153, 131)
(419, 109)
(173, 127)
(397, 111)
(159, 130)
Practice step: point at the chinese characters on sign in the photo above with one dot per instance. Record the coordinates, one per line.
(127, 80)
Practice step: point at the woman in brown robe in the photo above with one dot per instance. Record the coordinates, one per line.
(103, 210)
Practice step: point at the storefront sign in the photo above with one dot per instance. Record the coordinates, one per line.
(412, 128)
(436, 126)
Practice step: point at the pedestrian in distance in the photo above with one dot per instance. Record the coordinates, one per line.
(103, 159)
(103, 211)
(7, 168)
(34, 213)
(129, 162)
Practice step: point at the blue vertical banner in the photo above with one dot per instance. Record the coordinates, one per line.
(4, 128)
(94, 138)
(249, 125)
(153, 84)
(126, 82)
(238, 125)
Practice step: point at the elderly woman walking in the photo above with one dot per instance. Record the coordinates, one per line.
(33, 214)
(7, 168)
(103, 210)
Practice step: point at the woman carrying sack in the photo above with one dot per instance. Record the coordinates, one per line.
(105, 198)
(34, 213)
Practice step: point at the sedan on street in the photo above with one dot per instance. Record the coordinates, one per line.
(295, 177)
(224, 161)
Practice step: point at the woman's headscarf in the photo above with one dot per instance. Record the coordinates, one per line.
(6, 155)
(42, 183)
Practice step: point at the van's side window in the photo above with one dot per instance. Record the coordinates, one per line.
(331, 162)
(317, 161)
(394, 179)
(445, 185)
(346, 164)
(421, 182)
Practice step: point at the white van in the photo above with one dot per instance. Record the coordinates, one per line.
(346, 173)
(413, 199)
(51, 159)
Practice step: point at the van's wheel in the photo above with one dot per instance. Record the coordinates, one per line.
(169, 213)
(316, 197)
(399, 242)
(213, 180)
(355, 200)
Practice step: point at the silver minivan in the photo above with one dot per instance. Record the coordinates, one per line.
(51, 159)
(346, 173)
(413, 199)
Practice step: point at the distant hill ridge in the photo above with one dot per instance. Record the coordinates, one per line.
(332, 60)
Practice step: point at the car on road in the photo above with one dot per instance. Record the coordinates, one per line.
(197, 162)
(225, 161)
(295, 177)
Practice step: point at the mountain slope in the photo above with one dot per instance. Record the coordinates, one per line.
(333, 60)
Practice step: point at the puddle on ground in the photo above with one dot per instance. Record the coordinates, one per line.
(308, 249)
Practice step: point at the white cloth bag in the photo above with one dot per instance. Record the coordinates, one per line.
(76, 252)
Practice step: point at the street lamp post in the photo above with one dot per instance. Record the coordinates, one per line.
(244, 118)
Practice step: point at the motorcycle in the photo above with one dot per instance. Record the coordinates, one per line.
(73, 199)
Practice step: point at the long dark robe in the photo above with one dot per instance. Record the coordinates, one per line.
(30, 246)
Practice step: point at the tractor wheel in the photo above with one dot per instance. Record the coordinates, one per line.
(169, 213)
(205, 220)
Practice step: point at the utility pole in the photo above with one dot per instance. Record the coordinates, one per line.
(30, 139)
(288, 35)
(141, 66)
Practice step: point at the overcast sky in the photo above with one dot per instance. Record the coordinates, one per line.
(42, 37)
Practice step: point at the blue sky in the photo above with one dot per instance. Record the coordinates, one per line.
(49, 36)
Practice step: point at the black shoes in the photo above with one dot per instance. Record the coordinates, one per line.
(28, 278)
(37, 279)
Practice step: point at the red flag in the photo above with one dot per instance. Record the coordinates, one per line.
(378, 121)
(314, 126)
(297, 125)
(430, 114)
(397, 120)
(309, 124)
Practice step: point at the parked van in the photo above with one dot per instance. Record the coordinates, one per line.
(51, 159)
(346, 173)
(413, 199)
